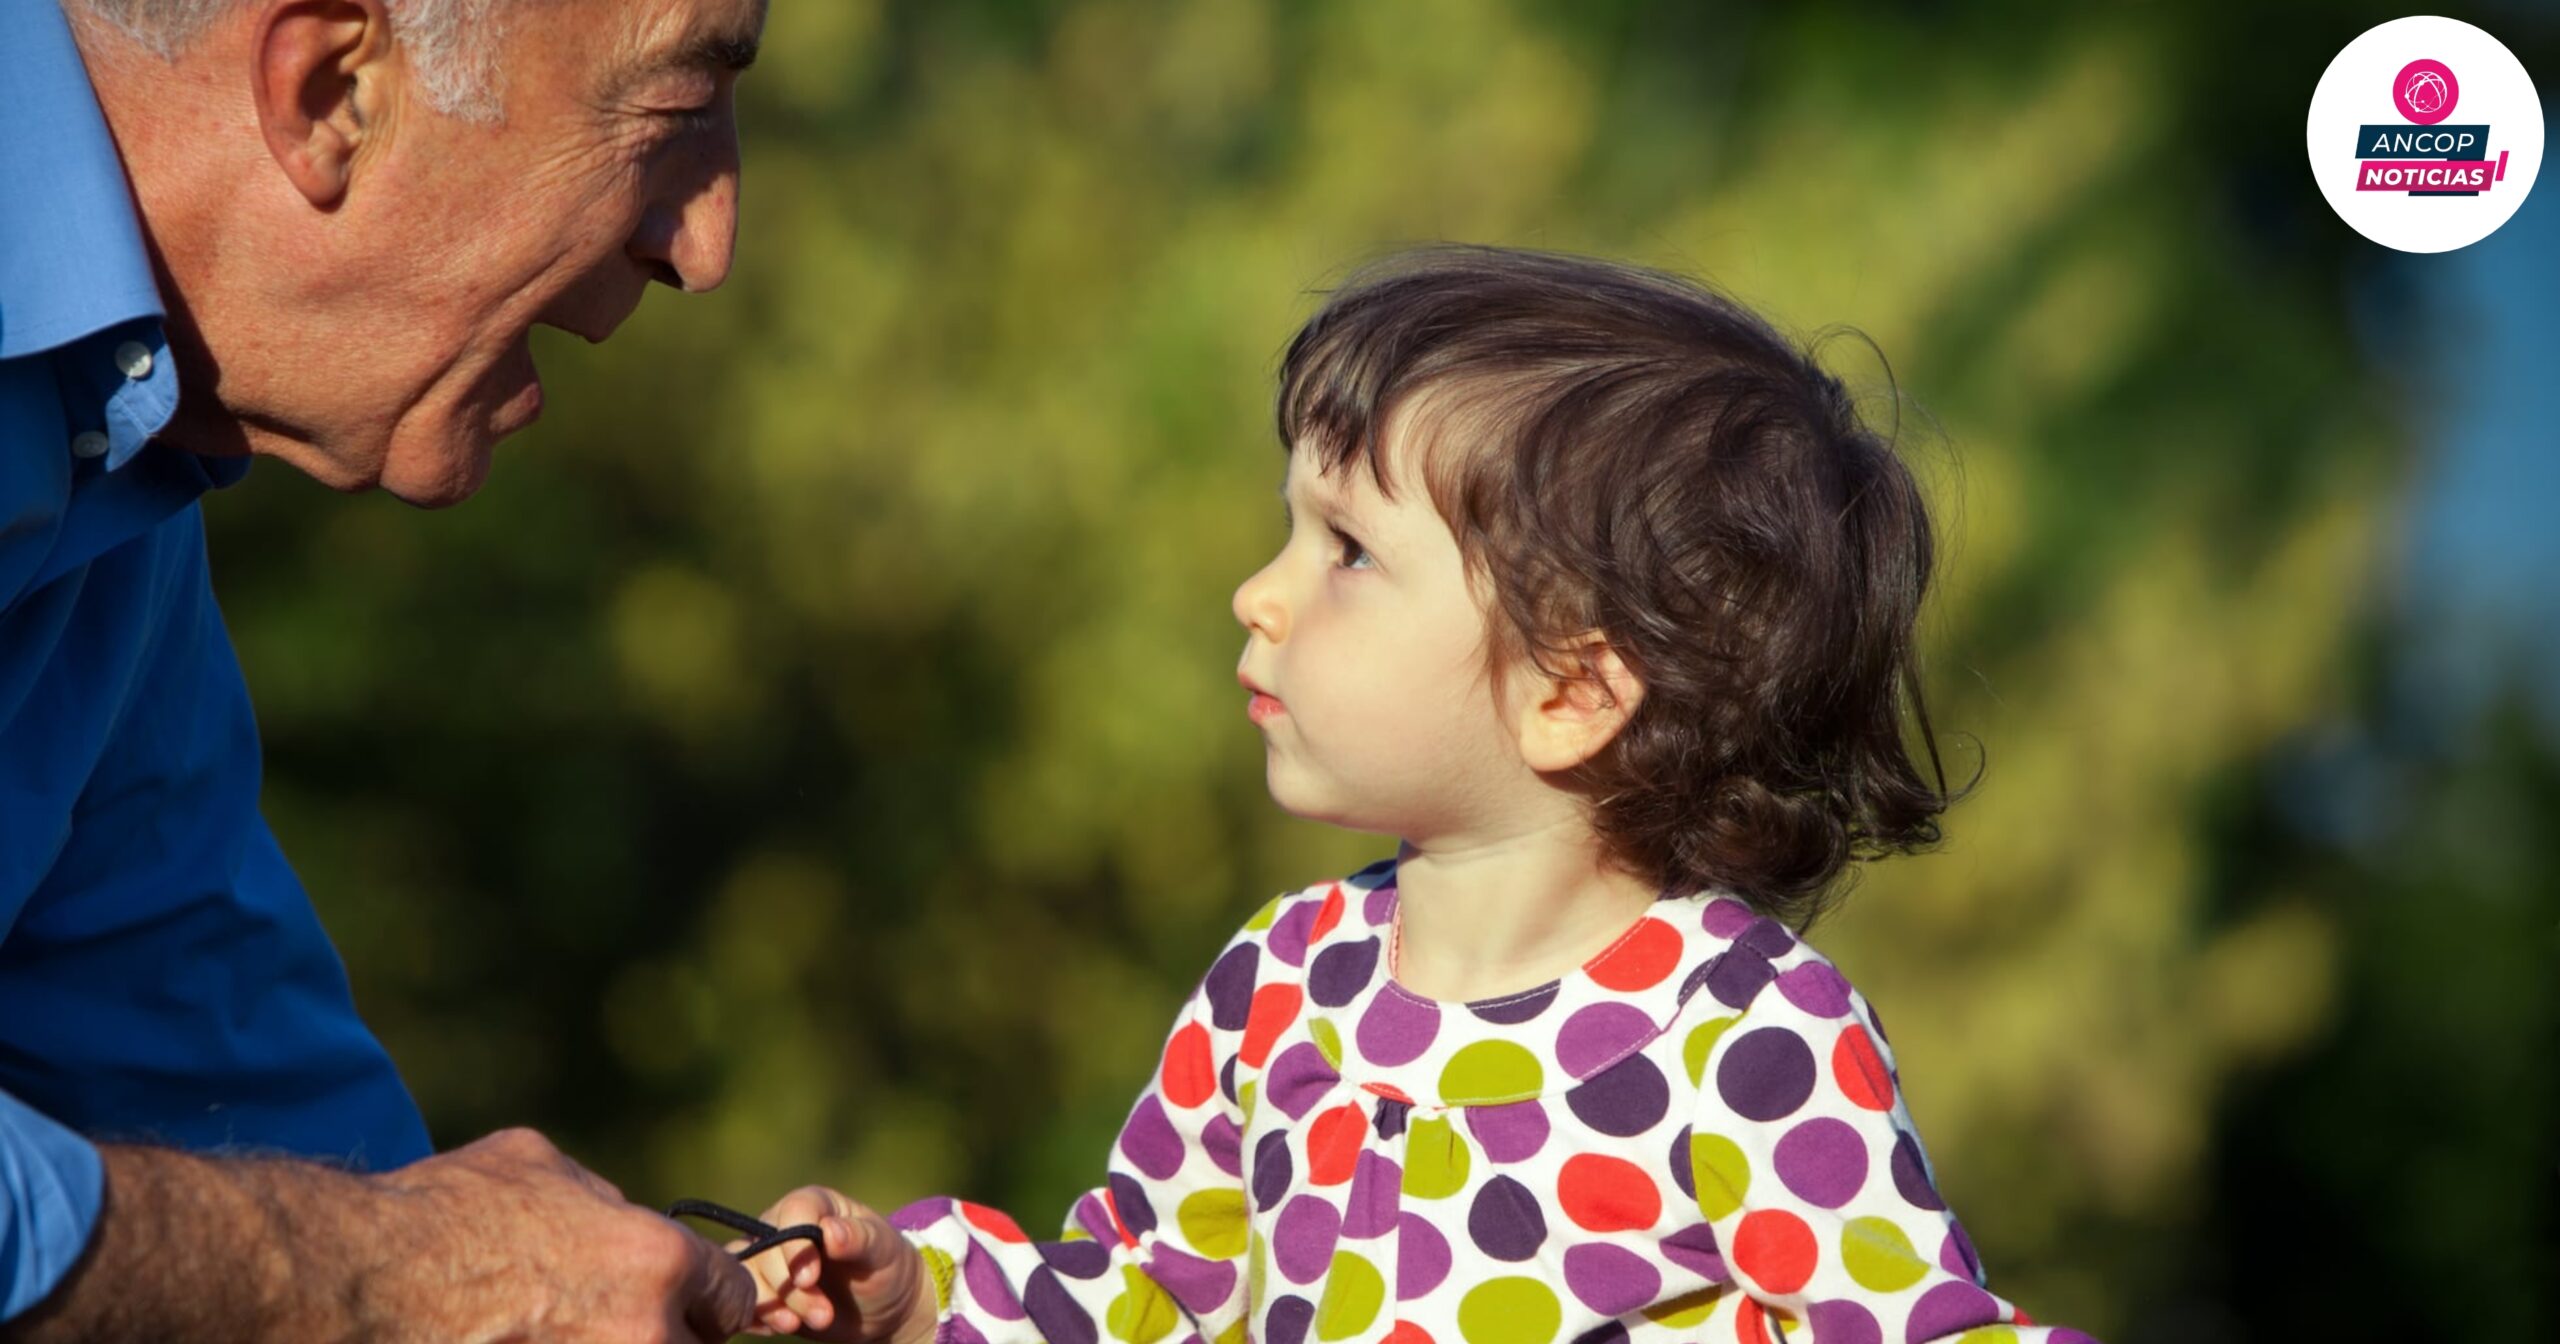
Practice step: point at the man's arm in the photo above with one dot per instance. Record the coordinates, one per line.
(506, 1238)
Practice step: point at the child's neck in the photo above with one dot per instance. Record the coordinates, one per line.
(1488, 916)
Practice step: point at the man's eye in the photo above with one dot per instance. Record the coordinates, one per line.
(1348, 552)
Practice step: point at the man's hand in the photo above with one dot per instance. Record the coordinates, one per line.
(504, 1239)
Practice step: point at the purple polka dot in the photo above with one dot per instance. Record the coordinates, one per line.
(1422, 1257)
(1624, 1100)
(1229, 987)
(1076, 1259)
(1844, 1322)
(987, 1285)
(958, 1331)
(1694, 1249)
(922, 1214)
(1197, 1284)
(1505, 1221)
(1737, 977)
(1302, 1240)
(1726, 918)
(1377, 1187)
(1149, 1141)
(1513, 1132)
(1823, 1161)
(1817, 989)
(1512, 1010)
(1396, 1029)
(1299, 1079)
(1682, 1173)
(1288, 937)
(1224, 1144)
(1956, 1254)
(1271, 1170)
(1287, 1321)
(1606, 1332)
(1610, 1280)
(1129, 1199)
(1766, 1075)
(1949, 1309)
(1342, 971)
(1767, 937)
(1600, 1035)
(1096, 1220)
(1227, 1080)
(1911, 1174)
(1379, 907)
(1054, 1311)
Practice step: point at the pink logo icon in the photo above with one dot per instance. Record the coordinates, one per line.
(2425, 91)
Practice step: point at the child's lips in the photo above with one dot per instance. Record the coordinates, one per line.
(1264, 707)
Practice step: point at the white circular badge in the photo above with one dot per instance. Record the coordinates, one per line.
(2425, 134)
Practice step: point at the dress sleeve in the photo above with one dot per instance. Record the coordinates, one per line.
(51, 1185)
(1805, 1162)
(1159, 1247)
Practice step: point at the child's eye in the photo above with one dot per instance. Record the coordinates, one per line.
(1348, 552)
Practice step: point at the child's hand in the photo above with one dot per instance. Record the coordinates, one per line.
(868, 1287)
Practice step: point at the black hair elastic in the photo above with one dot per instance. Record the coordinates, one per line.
(762, 1236)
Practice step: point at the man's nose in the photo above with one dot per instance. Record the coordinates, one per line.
(1258, 607)
(689, 239)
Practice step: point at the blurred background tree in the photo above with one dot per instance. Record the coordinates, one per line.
(815, 757)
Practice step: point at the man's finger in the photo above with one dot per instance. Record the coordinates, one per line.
(722, 1298)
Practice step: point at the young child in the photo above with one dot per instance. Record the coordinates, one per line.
(1599, 597)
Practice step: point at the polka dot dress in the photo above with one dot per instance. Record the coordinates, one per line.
(1696, 1136)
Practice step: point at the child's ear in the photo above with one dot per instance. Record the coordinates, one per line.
(1567, 719)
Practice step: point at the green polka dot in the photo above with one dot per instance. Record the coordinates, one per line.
(1491, 1072)
(1720, 1172)
(1701, 1042)
(1509, 1311)
(1327, 1039)
(1353, 1292)
(1257, 1266)
(1435, 1159)
(1689, 1311)
(1270, 912)
(1237, 1333)
(1246, 1095)
(938, 1264)
(1878, 1256)
(1143, 1313)
(1989, 1334)
(1213, 1222)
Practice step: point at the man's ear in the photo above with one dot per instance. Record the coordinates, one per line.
(319, 77)
(1567, 718)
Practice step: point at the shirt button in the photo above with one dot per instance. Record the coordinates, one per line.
(91, 444)
(134, 359)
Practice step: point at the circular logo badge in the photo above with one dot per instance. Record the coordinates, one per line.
(2414, 155)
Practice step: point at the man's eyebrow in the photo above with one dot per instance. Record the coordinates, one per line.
(701, 51)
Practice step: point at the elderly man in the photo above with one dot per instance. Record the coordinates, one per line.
(317, 230)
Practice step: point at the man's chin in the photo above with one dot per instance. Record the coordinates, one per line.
(434, 475)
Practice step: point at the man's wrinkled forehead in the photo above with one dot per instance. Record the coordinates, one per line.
(675, 36)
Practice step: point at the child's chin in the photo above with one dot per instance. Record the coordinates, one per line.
(1299, 799)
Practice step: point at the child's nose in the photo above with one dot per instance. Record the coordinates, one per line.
(1258, 608)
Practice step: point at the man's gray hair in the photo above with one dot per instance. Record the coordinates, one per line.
(452, 44)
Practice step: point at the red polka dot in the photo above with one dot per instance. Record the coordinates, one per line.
(1333, 1144)
(1776, 1249)
(1189, 1078)
(1327, 915)
(1406, 1332)
(1640, 960)
(1751, 1324)
(1608, 1194)
(994, 1222)
(1274, 1008)
(1860, 1070)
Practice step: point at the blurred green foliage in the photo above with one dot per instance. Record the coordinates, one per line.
(815, 757)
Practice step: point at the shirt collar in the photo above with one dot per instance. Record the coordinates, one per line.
(71, 253)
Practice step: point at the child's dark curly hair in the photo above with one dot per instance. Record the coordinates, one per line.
(1625, 452)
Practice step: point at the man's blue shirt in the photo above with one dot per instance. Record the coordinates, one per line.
(162, 975)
